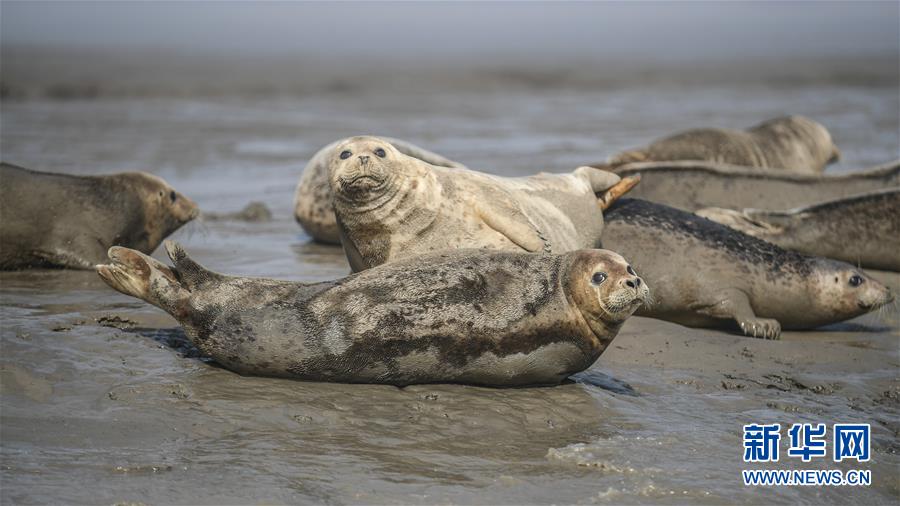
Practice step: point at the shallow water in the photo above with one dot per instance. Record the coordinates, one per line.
(93, 413)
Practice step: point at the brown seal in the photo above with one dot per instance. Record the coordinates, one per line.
(708, 275)
(391, 206)
(863, 229)
(58, 220)
(792, 143)
(482, 317)
(312, 198)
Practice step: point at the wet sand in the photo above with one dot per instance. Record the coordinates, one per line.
(104, 401)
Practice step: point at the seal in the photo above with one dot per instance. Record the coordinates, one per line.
(705, 274)
(481, 317)
(312, 198)
(863, 230)
(58, 220)
(694, 185)
(792, 143)
(391, 206)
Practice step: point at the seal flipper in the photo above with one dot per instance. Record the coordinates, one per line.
(614, 193)
(747, 221)
(191, 274)
(733, 304)
(514, 225)
(134, 273)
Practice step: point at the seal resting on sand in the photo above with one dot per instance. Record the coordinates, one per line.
(391, 206)
(863, 230)
(58, 220)
(481, 317)
(792, 143)
(313, 202)
(705, 274)
(695, 185)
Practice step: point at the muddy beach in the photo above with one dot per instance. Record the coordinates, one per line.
(104, 400)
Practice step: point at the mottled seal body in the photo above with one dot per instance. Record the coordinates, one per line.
(706, 274)
(792, 143)
(58, 220)
(863, 230)
(488, 318)
(313, 200)
(695, 185)
(391, 206)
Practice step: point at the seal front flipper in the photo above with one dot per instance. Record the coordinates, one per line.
(513, 224)
(733, 304)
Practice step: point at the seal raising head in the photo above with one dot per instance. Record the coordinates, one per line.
(481, 317)
(391, 206)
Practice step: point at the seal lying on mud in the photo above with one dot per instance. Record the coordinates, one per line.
(695, 185)
(863, 229)
(312, 199)
(391, 206)
(705, 274)
(790, 143)
(488, 318)
(58, 220)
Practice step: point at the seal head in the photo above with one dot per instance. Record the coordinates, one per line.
(843, 292)
(165, 210)
(363, 170)
(606, 289)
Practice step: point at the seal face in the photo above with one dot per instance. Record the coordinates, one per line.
(480, 317)
(390, 206)
(57, 220)
(863, 229)
(706, 274)
(313, 208)
(792, 143)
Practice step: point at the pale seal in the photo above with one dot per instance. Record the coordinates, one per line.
(480, 317)
(792, 143)
(863, 230)
(695, 185)
(58, 220)
(312, 198)
(708, 275)
(391, 206)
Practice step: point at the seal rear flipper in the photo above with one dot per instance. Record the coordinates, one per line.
(614, 193)
(191, 274)
(134, 273)
(733, 304)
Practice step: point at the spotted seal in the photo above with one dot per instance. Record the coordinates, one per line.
(481, 317)
(695, 185)
(792, 143)
(312, 198)
(391, 206)
(863, 229)
(58, 220)
(705, 274)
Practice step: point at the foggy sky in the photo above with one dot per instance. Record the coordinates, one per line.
(674, 31)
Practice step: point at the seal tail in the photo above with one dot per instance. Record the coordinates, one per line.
(138, 275)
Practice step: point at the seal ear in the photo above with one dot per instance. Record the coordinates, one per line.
(190, 273)
(613, 194)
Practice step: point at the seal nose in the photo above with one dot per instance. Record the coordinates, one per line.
(633, 283)
(364, 159)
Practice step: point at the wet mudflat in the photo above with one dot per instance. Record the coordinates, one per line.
(104, 400)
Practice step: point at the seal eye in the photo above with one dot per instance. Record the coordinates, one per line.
(380, 153)
(172, 195)
(598, 277)
(345, 155)
(856, 280)
(631, 271)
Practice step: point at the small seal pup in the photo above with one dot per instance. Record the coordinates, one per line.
(391, 206)
(312, 199)
(863, 230)
(792, 143)
(705, 274)
(480, 317)
(58, 220)
(695, 185)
